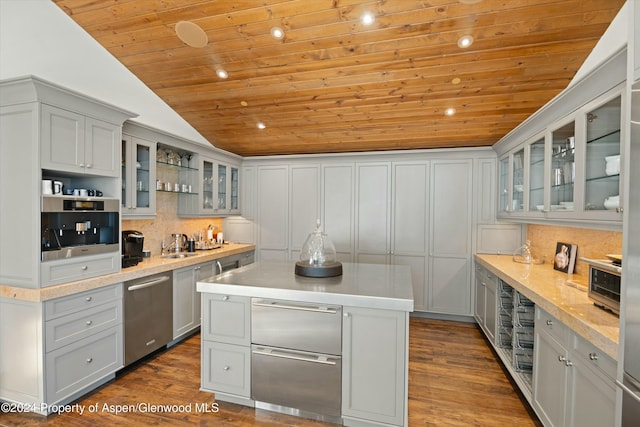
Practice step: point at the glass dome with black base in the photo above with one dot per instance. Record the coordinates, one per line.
(318, 256)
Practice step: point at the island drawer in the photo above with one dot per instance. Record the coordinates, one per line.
(295, 325)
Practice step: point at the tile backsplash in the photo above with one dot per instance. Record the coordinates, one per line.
(167, 222)
(591, 243)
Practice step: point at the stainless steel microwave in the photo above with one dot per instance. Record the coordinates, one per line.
(604, 284)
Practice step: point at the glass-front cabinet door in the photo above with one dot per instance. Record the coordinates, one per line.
(562, 171)
(517, 201)
(138, 176)
(503, 185)
(234, 205)
(221, 202)
(209, 178)
(602, 157)
(536, 175)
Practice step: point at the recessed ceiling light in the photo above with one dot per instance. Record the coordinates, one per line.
(221, 73)
(191, 34)
(456, 80)
(277, 33)
(368, 18)
(244, 103)
(261, 125)
(465, 41)
(449, 111)
(469, 1)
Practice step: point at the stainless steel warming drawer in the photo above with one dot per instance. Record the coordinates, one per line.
(296, 363)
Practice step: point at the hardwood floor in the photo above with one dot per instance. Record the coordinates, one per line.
(454, 380)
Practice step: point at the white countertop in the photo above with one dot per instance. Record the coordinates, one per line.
(360, 285)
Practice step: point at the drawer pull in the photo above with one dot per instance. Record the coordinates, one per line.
(225, 298)
(89, 322)
(88, 299)
(291, 306)
(84, 268)
(568, 363)
(549, 322)
(593, 356)
(226, 368)
(562, 359)
(90, 359)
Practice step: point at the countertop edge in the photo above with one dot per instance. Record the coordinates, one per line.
(364, 301)
(602, 336)
(149, 266)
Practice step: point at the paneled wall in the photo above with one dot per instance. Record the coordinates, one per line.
(167, 222)
(593, 244)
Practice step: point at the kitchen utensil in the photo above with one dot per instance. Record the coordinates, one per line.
(57, 187)
(47, 186)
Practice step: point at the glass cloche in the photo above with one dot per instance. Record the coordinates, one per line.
(318, 256)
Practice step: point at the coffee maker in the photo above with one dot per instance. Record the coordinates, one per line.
(132, 243)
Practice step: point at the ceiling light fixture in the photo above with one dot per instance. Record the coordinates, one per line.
(261, 125)
(368, 18)
(244, 103)
(456, 80)
(221, 73)
(191, 34)
(277, 33)
(449, 111)
(465, 41)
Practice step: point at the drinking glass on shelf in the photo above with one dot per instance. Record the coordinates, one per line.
(161, 156)
(189, 157)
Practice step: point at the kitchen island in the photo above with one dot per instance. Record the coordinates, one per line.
(373, 332)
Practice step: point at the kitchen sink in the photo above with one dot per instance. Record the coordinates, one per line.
(180, 255)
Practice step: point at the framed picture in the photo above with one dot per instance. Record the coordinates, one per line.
(565, 257)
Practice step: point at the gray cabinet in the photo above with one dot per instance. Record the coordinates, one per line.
(186, 299)
(273, 212)
(449, 279)
(485, 309)
(571, 170)
(72, 142)
(635, 33)
(373, 212)
(573, 381)
(338, 207)
(374, 375)
(226, 341)
(138, 177)
(304, 211)
(64, 347)
(410, 224)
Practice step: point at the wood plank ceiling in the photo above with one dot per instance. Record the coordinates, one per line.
(333, 84)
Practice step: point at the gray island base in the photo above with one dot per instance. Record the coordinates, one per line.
(333, 349)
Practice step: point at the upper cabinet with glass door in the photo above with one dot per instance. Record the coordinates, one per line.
(219, 190)
(138, 177)
(572, 171)
(601, 192)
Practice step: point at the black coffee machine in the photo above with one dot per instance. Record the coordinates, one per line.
(132, 242)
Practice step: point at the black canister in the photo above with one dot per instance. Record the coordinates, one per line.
(191, 247)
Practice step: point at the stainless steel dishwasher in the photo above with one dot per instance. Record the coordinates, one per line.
(148, 315)
(296, 364)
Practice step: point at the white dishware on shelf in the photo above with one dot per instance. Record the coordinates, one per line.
(612, 165)
(612, 202)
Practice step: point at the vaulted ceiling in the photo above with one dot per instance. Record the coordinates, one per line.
(335, 84)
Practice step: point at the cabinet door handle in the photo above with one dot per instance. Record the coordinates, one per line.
(562, 359)
(549, 322)
(89, 165)
(84, 268)
(568, 363)
(593, 356)
(225, 298)
(89, 322)
(226, 368)
(89, 359)
(81, 165)
(88, 299)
